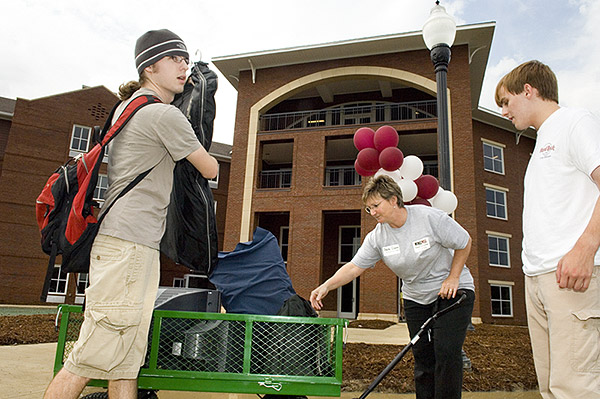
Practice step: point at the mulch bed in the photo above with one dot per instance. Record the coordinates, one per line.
(27, 329)
(500, 356)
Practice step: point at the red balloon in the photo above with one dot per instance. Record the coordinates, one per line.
(363, 138)
(362, 171)
(391, 158)
(385, 136)
(419, 201)
(427, 186)
(368, 159)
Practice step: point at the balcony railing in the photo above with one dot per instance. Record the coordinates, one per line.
(335, 176)
(349, 115)
(281, 178)
(342, 176)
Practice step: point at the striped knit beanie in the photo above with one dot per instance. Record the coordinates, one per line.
(153, 45)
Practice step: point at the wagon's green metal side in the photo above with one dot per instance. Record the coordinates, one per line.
(234, 353)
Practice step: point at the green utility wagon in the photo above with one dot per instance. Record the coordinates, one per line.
(234, 353)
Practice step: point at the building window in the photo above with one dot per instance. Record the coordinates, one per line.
(100, 190)
(280, 178)
(501, 295)
(58, 283)
(342, 176)
(214, 183)
(430, 168)
(82, 283)
(105, 158)
(495, 201)
(493, 158)
(498, 250)
(284, 239)
(80, 140)
(178, 282)
(349, 242)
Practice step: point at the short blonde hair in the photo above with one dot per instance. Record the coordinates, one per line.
(536, 74)
(385, 187)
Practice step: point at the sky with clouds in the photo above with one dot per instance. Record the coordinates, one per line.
(51, 47)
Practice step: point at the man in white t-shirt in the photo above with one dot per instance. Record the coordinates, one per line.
(561, 232)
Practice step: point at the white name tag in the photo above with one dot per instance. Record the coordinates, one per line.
(421, 245)
(391, 250)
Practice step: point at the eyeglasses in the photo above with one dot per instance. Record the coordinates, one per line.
(179, 59)
(369, 208)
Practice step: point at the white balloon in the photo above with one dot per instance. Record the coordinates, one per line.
(411, 168)
(395, 174)
(409, 189)
(446, 201)
(439, 191)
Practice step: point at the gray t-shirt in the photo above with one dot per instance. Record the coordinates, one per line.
(420, 252)
(157, 136)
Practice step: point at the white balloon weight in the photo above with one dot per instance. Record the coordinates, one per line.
(446, 201)
(409, 189)
(411, 168)
(395, 174)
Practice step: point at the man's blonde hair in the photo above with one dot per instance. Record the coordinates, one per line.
(536, 74)
(126, 90)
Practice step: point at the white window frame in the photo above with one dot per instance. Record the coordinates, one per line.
(355, 243)
(499, 236)
(496, 148)
(81, 278)
(178, 282)
(73, 152)
(284, 244)
(500, 190)
(101, 185)
(188, 277)
(105, 157)
(358, 116)
(502, 284)
(214, 183)
(58, 296)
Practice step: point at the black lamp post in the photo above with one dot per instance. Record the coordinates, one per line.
(438, 33)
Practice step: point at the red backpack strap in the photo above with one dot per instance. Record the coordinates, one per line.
(109, 132)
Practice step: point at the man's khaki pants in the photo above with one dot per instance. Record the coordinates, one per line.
(564, 326)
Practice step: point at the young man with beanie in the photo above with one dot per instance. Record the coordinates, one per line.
(561, 232)
(124, 262)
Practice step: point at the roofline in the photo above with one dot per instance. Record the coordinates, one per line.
(418, 33)
(477, 36)
(69, 92)
(221, 156)
(6, 115)
(493, 118)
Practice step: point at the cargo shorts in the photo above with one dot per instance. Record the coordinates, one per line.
(113, 339)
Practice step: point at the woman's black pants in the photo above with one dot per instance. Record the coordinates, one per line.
(438, 356)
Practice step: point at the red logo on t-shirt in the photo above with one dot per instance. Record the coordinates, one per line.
(547, 150)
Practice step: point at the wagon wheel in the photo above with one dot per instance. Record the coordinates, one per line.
(142, 394)
(96, 395)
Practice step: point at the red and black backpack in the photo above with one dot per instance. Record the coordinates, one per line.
(66, 210)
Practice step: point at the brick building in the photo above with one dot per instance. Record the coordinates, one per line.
(292, 164)
(35, 137)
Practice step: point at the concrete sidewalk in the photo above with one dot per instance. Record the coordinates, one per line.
(396, 334)
(26, 370)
